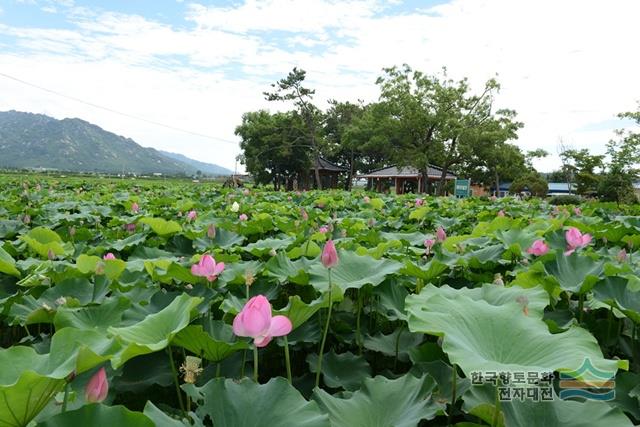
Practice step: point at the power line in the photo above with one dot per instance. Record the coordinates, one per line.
(111, 110)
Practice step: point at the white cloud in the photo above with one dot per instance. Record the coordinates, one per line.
(562, 65)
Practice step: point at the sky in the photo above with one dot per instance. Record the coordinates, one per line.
(566, 66)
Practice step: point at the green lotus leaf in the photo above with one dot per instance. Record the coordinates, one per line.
(215, 343)
(112, 268)
(262, 247)
(307, 249)
(428, 272)
(574, 273)
(344, 370)
(481, 337)
(299, 312)
(160, 419)
(391, 296)
(480, 401)
(398, 343)
(8, 264)
(352, 271)
(285, 270)
(419, 213)
(42, 240)
(154, 332)
(535, 299)
(275, 404)
(128, 242)
(414, 239)
(161, 226)
(25, 386)
(101, 316)
(99, 415)
(382, 402)
(616, 291)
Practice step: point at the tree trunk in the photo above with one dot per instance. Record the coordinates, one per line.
(497, 183)
(425, 182)
(443, 179)
(351, 171)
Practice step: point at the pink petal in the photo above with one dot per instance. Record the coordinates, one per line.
(262, 341)
(207, 264)
(238, 327)
(280, 326)
(219, 268)
(196, 271)
(569, 251)
(586, 239)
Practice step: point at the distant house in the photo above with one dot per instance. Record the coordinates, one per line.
(559, 188)
(404, 179)
(555, 189)
(329, 174)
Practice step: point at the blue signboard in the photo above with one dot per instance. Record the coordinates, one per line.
(463, 188)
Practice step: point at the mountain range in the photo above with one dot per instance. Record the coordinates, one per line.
(37, 141)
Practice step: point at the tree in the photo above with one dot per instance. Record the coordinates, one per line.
(338, 131)
(290, 89)
(624, 156)
(275, 149)
(583, 167)
(532, 182)
(439, 120)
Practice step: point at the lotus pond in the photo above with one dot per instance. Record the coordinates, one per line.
(141, 303)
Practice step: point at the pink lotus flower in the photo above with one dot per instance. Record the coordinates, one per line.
(97, 388)
(207, 267)
(428, 244)
(575, 240)
(441, 235)
(329, 255)
(324, 229)
(109, 256)
(192, 215)
(135, 208)
(246, 192)
(419, 202)
(243, 217)
(366, 199)
(500, 212)
(538, 248)
(304, 214)
(577, 211)
(255, 321)
(130, 227)
(622, 255)
(211, 231)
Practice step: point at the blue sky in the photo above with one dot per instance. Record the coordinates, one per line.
(565, 67)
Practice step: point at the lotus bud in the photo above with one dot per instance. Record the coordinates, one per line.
(235, 207)
(97, 387)
(329, 255)
(26, 219)
(243, 217)
(211, 231)
(72, 231)
(51, 255)
(622, 255)
(272, 252)
(135, 208)
(441, 235)
(61, 301)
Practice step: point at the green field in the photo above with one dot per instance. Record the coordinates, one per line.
(524, 314)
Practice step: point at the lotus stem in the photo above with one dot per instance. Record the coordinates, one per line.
(218, 370)
(496, 413)
(580, 307)
(255, 363)
(244, 361)
(287, 360)
(66, 397)
(175, 380)
(324, 334)
(358, 332)
(395, 363)
(454, 380)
